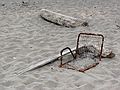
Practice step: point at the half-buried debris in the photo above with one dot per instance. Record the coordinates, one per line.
(61, 19)
(80, 58)
(86, 56)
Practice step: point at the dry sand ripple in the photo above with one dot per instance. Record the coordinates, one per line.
(25, 38)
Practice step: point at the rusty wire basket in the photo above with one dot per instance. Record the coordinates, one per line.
(86, 55)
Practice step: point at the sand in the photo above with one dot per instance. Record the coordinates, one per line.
(25, 39)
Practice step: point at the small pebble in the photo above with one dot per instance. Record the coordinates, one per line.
(3, 4)
(85, 24)
(14, 57)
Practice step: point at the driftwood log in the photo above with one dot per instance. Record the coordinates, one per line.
(61, 19)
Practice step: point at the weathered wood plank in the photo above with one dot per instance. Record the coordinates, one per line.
(61, 19)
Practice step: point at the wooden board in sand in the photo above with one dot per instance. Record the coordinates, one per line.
(61, 19)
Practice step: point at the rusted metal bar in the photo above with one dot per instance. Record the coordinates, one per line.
(61, 52)
(83, 70)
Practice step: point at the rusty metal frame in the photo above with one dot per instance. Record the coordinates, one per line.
(77, 52)
(93, 34)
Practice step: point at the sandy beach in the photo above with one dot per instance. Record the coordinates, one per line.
(25, 39)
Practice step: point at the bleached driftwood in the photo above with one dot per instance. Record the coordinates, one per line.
(106, 54)
(61, 19)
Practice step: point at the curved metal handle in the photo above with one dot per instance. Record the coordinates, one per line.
(61, 52)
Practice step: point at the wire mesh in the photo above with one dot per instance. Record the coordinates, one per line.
(87, 54)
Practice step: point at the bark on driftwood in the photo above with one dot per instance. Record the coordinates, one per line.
(61, 19)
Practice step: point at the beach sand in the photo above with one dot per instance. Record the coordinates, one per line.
(26, 39)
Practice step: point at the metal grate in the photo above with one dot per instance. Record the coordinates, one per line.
(87, 53)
